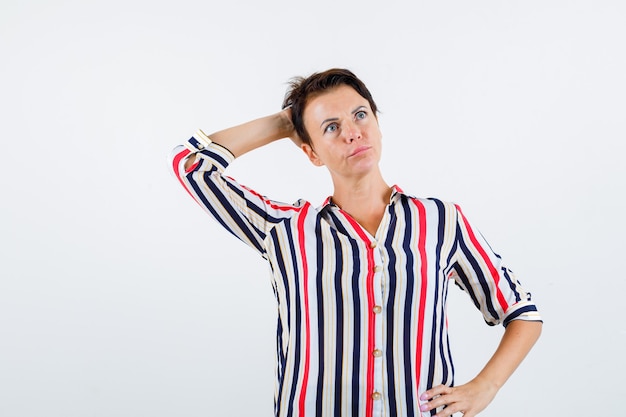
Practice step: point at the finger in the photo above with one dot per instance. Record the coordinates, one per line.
(440, 401)
(433, 392)
(450, 410)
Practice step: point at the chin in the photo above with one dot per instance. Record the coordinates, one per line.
(365, 169)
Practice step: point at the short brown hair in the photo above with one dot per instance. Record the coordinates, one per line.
(302, 89)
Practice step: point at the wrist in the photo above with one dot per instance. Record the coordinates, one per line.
(285, 123)
(488, 384)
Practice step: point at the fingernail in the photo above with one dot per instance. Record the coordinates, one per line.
(424, 407)
(424, 397)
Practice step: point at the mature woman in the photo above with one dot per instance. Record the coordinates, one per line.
(361, 282)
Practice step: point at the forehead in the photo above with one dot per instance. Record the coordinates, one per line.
(332, 102)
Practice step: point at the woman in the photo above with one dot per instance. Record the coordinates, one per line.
(361, 281)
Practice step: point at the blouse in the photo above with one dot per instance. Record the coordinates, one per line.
(361, 327)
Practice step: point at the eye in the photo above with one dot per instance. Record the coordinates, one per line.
(360, 115)
(331, 128)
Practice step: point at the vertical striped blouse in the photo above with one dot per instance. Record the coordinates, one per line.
(361, 319)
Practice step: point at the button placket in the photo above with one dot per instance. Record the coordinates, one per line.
(376, 310)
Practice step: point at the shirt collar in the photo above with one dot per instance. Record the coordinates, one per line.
(396, 192)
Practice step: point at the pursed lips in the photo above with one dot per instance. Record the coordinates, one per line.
(359, 150)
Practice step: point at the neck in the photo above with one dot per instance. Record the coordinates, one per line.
(364, 194)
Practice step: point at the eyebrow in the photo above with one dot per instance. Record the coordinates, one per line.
(334, 119)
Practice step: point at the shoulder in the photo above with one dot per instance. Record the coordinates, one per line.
(436, 210)
(433, 202)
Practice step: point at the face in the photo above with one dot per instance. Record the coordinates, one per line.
(344, 132)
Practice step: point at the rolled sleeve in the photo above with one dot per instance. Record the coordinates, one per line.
(493, 287)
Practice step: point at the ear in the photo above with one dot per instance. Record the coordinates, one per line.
(310, 153)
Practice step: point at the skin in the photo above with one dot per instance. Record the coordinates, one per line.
(346, 139)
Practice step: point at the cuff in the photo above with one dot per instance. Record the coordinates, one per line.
(198, 141)
(208, 151)
(522, 311)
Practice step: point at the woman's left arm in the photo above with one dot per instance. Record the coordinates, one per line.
(473, 397)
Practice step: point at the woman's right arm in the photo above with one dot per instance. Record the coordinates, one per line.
(253, 134)
(199, 165)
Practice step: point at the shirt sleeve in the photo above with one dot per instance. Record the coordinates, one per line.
(493, 287)
(243, 212)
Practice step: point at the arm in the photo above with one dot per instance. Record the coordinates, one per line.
(256, 133)
(248, 136)
(497, 293)
(199, 168)
(471, 398)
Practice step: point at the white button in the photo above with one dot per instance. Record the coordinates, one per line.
(377, 309)
(376, 396)
(378, 268)
(377, 353)
(373, 244)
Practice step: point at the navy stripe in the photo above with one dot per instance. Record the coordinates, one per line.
(438, 319)
(320, 315)
(410, 272)
(249, 204)
(281, 356)
(194, 142)
(466, 284)
(216, 157)
(389, 355)
(519, 312)
(234, 214)
(338, 280)
(480, 276)
(198, 193)
(448, 364)
(509, 280)
(356, 308)
(298, 321)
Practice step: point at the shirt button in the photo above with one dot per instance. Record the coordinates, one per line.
(378, 268)
(376, 396)
(373, 244)
(377, 353)
(377, 309)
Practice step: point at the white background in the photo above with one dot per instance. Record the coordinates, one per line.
(120, 297)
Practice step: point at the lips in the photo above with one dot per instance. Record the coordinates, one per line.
(359, 150)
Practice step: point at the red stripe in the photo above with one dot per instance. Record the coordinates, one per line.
(175, 165)
(421, 246)
(492, 269)
(192, 167)
(176, 162)
(305, 292)
(268, 202)
(371, 339)
(371, 317)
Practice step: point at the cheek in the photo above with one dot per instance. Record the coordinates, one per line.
(376, 134)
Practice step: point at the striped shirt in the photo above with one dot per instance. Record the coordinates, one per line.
(362, 327)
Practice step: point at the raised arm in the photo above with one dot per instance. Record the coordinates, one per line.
(254, 134)
(199, 167)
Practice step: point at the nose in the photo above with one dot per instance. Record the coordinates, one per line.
(351, 131)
